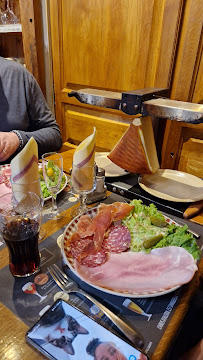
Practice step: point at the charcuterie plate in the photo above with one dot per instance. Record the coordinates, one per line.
(5, 185)
(68, 259)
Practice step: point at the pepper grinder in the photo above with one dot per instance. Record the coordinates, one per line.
(100, 192)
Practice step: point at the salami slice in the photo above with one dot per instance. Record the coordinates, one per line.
(118, 239)
(95, 260)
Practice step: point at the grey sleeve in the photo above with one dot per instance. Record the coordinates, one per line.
(42, 124)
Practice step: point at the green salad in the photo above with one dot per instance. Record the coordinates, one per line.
(53, 174)
(150, 230)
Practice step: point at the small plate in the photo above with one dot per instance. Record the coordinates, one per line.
(6, 187)
(172, 185)
(68, 259)
(111, 169)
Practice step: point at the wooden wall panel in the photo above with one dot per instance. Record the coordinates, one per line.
(11, 45)
(191, 159)
(31, 19)
(80, 122)
(120, 45)
(111, 44)
(187, 84)
(189, 47)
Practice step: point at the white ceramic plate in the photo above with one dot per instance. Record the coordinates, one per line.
(3, 188)
(70, 229)
(172, 185)
(111, 169)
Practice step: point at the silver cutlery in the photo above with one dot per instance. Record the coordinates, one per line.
(70, 286)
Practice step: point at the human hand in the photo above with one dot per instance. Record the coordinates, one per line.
(9, 143)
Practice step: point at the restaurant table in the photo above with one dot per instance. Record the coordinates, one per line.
(12, 342)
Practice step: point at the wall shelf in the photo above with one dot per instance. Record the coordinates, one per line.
(11, 28)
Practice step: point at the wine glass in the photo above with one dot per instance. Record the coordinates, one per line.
(83, 182)
(8, 16)
(33, 186)
(52, 164)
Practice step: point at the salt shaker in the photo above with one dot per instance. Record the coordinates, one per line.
(100, 192)
(100, 176)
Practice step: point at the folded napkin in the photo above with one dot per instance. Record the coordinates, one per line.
(136, 150)
(83, 163)
(85, 152)
(24, 166)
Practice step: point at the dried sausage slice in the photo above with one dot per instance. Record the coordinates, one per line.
(118, 239)
(95, 260)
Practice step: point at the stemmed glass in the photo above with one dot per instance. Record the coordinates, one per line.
(8, 16)
(52, 164)
(83, 182)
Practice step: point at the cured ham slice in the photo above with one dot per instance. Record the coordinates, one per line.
(83, 225)
(120, 210)
(141, 273)
(80, 248)
(97, 228)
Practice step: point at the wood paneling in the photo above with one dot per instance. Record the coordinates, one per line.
(190, 46)
(117, 44)
(198, 86)
(31, 19)
(80, 123)
(11, 45)
(57, 53)
(187, 83)
(111, 44)
(191, 159)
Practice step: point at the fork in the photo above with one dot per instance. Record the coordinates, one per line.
(70, 286)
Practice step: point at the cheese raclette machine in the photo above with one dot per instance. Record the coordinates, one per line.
(150, 101)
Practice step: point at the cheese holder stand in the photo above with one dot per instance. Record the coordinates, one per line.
(136, 150)
(149, 101)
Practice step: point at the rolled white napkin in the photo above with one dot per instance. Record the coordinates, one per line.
(24, 166)
(85, 152)
(83, 164)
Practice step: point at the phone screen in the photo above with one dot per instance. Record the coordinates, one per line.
(64, 332)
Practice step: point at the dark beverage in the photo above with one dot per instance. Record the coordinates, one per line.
(21, 237)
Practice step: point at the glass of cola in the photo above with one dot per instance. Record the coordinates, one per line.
(20, 221)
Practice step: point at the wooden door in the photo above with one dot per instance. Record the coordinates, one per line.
(109, 44)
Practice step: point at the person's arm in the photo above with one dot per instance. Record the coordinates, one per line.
(43, 126)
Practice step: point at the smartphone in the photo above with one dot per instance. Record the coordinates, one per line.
(65, 333)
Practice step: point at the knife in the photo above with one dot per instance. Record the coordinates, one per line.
(193, 209)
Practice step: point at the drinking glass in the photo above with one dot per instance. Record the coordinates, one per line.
(52, 164)
(83, 182)
(8, 16)
(20, 220)
(33, 186)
